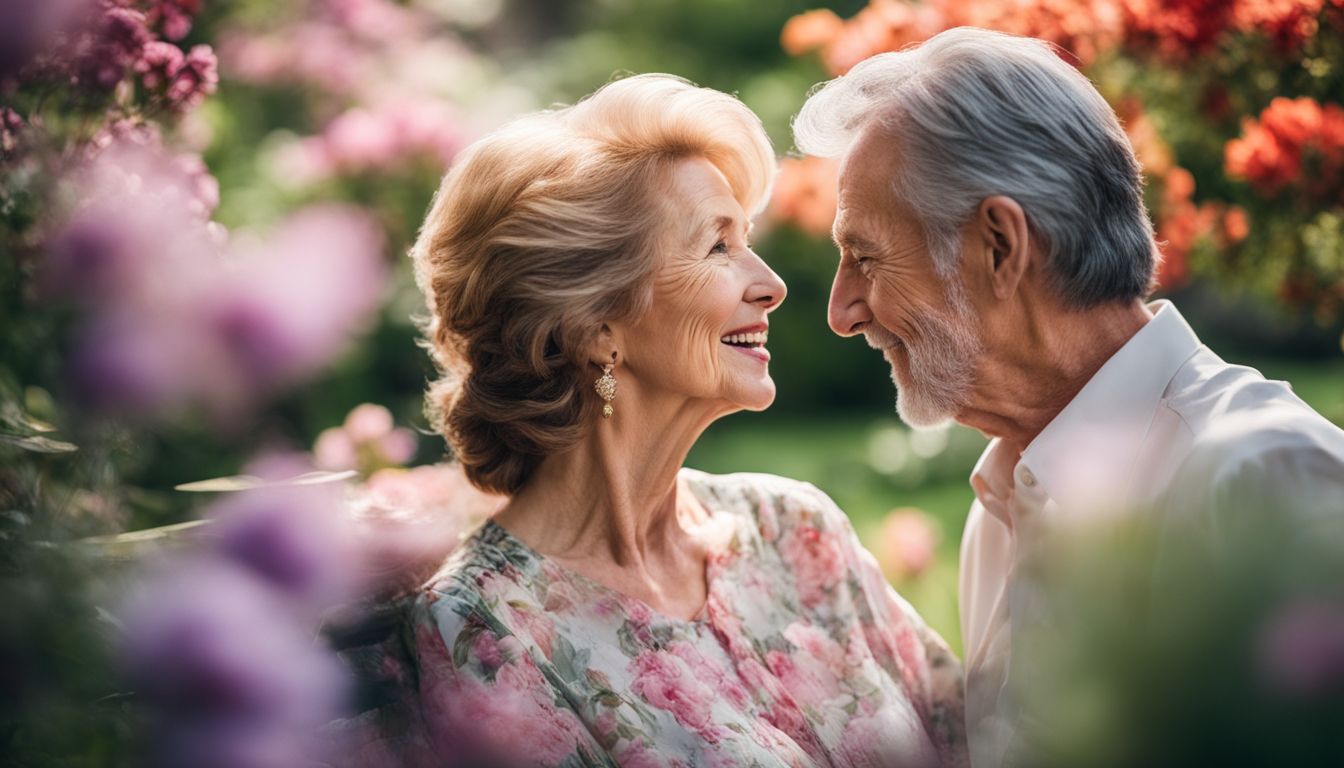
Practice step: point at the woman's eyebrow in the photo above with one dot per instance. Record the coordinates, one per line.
(714, 224)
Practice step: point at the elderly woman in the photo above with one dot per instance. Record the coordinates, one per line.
(595, 305)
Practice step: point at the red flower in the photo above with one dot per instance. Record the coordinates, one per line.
(1295, 142)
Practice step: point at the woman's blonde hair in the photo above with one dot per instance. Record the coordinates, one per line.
(540, 233)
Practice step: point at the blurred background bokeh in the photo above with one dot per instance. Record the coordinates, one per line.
(205, 209)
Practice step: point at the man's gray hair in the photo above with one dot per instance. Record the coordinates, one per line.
(979, 113)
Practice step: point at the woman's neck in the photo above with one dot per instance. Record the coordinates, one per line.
(614, 496)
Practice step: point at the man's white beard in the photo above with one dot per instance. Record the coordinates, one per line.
(941, 357)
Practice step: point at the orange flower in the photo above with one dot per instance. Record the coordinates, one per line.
(1154, 154)
(809, 31)
(805, 193)
(1236, 224)
(1181, 224)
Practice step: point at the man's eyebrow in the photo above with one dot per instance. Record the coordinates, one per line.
(847, 242)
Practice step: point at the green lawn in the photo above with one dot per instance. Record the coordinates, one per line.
(871, 464)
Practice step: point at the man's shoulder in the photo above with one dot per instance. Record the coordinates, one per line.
(1222, 403)
(1251, 435)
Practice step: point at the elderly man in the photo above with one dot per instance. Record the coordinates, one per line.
(994, 246)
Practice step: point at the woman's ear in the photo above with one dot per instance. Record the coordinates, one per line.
(1005, 243)
(605, 347)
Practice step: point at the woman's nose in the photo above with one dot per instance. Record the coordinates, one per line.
(768, 289)
(848, 311)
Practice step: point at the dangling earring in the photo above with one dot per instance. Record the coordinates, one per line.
(606, 389)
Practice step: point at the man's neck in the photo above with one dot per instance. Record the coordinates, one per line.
(1026, 379)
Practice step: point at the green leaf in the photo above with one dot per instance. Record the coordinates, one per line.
(248, 482)
(16, 421)
(38, 444)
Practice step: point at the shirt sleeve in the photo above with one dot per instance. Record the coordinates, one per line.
(480, 689)
(905, 645)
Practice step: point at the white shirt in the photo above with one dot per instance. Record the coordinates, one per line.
(1163, 419)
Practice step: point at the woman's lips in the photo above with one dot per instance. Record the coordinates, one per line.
(760, 353)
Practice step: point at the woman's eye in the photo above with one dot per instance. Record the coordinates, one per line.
(720, 248)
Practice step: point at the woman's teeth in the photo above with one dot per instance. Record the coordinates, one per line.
(745, 339)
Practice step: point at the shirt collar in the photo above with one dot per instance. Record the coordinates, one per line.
(1087, 451)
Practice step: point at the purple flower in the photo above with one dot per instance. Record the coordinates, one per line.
(291, 305)
(295, 537)
(1301, 649)
(132, 367)
(96, 258)
(227, 673)
(30, 27)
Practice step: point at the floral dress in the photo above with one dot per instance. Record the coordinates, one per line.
(803, 654)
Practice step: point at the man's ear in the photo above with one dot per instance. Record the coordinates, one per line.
(1004, 243)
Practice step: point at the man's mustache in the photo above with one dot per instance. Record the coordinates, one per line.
(880, 338)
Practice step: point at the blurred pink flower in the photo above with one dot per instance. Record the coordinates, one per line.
(362, 139)
(907, 544)
(159, 62)
(109, 47)
(185, 79)
(174, 16)
(367, 441)
(196, 78)
(1301, 650)
(409, 520)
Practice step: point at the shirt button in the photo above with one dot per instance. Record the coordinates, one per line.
(1028, 479)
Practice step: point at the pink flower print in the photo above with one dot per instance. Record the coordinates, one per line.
(486, 649)
(636, 754)
(816, 559)
(666, 683)
(815, 643)
(536, 625)
(561, 596)
(467, 716)
(868, 741)
(768, 520)
(807, 680)
(704, 669)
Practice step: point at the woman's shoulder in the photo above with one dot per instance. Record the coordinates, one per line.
(758, 490)
(775, 504)
(484, 570)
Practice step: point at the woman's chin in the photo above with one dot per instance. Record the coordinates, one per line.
(759, 400)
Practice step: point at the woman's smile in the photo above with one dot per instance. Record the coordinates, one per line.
(749, 341)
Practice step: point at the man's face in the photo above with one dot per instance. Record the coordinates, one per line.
(886, 287)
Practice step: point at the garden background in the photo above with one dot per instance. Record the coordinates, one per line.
(147, 142)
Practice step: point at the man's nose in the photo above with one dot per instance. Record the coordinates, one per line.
(848, 311)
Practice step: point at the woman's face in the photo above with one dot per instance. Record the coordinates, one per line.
(704, 335)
